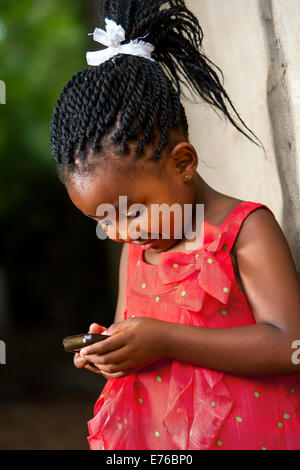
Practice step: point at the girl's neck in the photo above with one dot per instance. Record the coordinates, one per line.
(206, 195)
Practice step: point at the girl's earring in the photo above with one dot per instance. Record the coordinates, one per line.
(186, 176)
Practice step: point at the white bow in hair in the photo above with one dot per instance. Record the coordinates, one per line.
(112, 38)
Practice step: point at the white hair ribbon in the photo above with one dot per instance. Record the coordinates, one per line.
(112, 38)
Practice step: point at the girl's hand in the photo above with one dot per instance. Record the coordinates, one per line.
(79, 361)
(133, 343)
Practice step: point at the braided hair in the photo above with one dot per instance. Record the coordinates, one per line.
(131, 98)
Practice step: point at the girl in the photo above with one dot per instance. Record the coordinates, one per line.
(202, 352)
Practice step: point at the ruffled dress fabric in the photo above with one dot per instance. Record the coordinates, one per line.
(174, 405)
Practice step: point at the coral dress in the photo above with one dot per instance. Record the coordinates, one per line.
(174, 405)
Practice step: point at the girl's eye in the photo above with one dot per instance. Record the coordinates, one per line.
(106, 222)
(134, 215)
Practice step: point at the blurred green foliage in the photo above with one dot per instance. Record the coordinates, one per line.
(54, 266)
(42, 44)
(56, 276)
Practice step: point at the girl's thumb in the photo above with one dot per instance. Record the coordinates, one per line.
(95, 328)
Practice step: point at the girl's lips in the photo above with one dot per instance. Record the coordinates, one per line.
(146, 245)
(146, 242)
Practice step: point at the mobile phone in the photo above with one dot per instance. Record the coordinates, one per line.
(76, 342)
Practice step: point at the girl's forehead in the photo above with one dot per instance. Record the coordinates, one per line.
(106, 185)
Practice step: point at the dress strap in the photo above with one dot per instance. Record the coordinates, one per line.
(233, 222)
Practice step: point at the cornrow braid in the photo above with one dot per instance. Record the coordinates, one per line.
(132, 96)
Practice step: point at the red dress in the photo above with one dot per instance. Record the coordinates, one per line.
(174, 405)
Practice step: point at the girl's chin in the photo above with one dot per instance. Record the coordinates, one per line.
(156, 246)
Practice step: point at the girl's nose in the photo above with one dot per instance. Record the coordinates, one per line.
(117, 233)
(122, 232)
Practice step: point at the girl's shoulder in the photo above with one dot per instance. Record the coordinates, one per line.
(230, 208)
(248, 219)
(266, 266)
(240, 219)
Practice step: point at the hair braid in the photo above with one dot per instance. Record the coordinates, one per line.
(130, 96)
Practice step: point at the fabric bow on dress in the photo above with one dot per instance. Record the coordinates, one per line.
(209, 276)
(191, 420)
(199, 273)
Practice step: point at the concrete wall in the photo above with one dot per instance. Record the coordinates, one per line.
(256, 43)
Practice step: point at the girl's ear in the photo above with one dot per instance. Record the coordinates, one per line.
(185, 158)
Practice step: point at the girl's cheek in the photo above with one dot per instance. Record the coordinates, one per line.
(154, 225)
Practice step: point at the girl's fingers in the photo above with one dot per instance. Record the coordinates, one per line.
(111, 343)
(118, 375)
(114, 368)
(92, 368)
(95, 328)
(108, 372)
(79, 361)
(112, 358)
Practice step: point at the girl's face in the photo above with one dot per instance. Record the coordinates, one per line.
(147, 187)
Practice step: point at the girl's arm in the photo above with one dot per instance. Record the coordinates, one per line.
(121, 302)
(269, 278)
(271, 283)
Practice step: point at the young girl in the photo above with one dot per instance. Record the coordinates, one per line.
(202, 352)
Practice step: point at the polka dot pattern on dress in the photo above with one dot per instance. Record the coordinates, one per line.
(234, 430)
